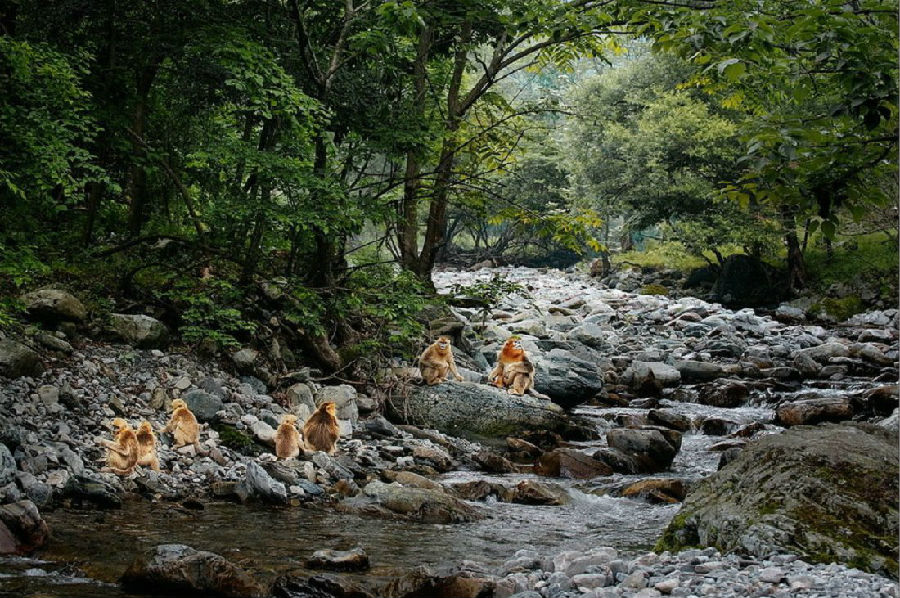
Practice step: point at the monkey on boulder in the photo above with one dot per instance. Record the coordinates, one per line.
(514, 371)
(436, 362)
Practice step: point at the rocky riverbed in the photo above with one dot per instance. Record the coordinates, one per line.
(660, 393)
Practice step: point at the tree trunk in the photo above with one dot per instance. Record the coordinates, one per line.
(795, 264)
(408, 227)
(93, 205)
(136, 187)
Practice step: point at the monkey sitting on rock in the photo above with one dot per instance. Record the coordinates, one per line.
(514, 371)
(122, 453)
(436, 362)
(322, 430)
(287, 438)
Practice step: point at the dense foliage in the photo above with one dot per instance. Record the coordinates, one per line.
(215, 161)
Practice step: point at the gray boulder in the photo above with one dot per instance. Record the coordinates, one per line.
(259, 485)
(826, 493)
(466, 409)
(814, 411)
(697, 371)
(54, 305)
(140, 330)
(203, 404)
(652, 376)
(300, 400)
(344, 398)
(416, 504)
(339, 560)
(7, 466)
(565, 378)
(245, 360)
(18, 360)
(651, 450)
(182, 570)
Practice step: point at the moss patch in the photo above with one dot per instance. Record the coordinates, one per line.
(838, 308)
(654, 289)
(236, 440)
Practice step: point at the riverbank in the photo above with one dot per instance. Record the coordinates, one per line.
(714, 378)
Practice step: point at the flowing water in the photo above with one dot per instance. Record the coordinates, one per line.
(91, 549)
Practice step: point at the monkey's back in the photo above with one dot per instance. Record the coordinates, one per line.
(321, 431)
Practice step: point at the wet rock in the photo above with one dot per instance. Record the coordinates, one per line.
(339, 560)
(814, 411)
(669, 419)
(822, 353)
(416, 504)
(319, 586)
(482, 489)
(493, 462)
(434, 456)
(530, 492)
(733, 394)
(882, 400)
(410, 479)
(259, 485)
(698, 371)
(18, 360)
(717, 426)
(571, 463)
(176, 568)
(652, 450)
(140, 330)
(21, 528)
(422, 582)
(203, 404)
(91, 489)
(827, 493)
(54, 305)
(652, 376)
(458, 408)
(668, 490)
(728, 455)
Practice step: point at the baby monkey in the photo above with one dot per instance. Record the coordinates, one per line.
(147, 446)
(287, 438)
(436, 362)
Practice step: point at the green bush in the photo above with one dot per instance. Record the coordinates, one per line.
(654, 289)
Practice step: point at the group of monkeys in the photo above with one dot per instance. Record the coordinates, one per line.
(131, 448)
(514, 371)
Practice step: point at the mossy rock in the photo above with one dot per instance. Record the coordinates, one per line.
(828, 493)
(654, 289)
(837, 309)
(236, 440)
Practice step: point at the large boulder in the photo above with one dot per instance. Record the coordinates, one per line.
(344, 398)
(827, 493)
(466, 409)
(21, 528)
(139, 330)
(571, 463)
(650, 450)
(652, 376)
(565, 378)
(53, 306)
(203, 405)
(181, 570)
(814, 411)
(259, 485)
(18, 360)
(746, 281)
(415, 504)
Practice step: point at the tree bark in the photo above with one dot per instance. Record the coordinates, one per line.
(408, 226)
(136, 187)
(796, 268)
